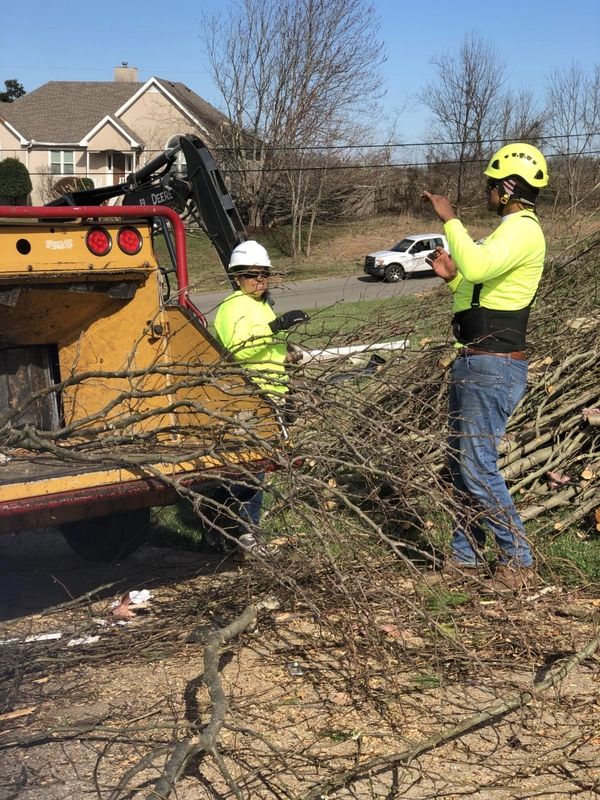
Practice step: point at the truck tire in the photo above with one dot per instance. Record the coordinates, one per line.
(108, 538)
(394, 273)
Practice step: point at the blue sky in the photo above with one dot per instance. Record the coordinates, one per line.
(59, 40)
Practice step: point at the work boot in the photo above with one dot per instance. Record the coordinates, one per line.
(248, 546)
(454, 572)
(510, 579)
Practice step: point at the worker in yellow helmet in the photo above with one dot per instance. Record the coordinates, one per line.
(249, 328)
(494, 284)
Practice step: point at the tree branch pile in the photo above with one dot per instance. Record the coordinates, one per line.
(382, 438)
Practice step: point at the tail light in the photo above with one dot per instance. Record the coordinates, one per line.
(98, 241)
(129, 240)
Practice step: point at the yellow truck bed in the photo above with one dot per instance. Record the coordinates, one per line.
(108, 392)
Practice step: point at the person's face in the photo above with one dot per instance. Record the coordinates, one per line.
(493, 196)
(254, 281)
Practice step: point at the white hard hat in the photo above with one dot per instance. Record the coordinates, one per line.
(249, 254)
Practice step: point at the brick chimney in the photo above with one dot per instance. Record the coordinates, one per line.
(125, 73)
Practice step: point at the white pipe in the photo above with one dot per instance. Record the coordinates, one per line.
(329, 353)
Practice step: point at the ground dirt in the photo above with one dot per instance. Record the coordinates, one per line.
(309, 697)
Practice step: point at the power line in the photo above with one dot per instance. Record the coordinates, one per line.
(388, 145)
(385, 145)
(405, 165)
(344, 167)
(331, 167)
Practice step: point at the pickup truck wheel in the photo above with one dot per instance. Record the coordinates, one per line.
(109, 538)
(394, 273)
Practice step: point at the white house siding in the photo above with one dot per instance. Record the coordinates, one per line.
(154, 119)
(9, 144)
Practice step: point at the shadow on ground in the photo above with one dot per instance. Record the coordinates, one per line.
(38, 571)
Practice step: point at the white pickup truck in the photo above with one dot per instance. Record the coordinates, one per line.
(404, 258)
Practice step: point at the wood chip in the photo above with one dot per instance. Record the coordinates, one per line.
(18, 712)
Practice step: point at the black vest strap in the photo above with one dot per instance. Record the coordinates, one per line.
(490, 329)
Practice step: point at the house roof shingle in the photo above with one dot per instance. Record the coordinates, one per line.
(63, 112)
(208, 115)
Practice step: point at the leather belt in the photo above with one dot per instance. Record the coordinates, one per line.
(517, 355)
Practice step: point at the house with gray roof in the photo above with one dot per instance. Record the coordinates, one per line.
(101, 130)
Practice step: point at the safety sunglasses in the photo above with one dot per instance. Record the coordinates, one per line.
(256, 275)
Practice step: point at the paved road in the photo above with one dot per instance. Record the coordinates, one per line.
(325, 292)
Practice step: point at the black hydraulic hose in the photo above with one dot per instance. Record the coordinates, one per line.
(161, 160)
(168, 241)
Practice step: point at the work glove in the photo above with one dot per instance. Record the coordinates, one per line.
(288, 319)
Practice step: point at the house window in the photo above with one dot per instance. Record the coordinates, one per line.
(127, 161)
(62, 162)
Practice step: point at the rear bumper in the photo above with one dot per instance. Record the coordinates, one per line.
(45, 510)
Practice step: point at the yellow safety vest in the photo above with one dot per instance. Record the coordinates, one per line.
(242, 325)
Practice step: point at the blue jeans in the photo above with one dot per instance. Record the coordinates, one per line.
(484, 392)
(250, 502)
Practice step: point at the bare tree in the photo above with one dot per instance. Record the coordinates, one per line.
(522, 119)
(318, 187)
(465, 100)
(573, 103)
(292, 75)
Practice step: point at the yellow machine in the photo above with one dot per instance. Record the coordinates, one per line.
(112, 395)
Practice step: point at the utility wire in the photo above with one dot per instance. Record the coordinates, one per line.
(389, 145)
(386, 145)
(343, 167)
(347, 167)
(403, 165)
(450, 143)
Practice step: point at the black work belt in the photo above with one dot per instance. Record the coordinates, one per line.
(517, 355)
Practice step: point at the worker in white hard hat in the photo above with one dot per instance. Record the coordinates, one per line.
(249, 328)
(247, 325)
(494, 283)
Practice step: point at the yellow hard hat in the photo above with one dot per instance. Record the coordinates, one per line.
(520, 159)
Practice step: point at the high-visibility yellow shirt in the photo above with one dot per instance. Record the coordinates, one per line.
(242, 325)
(509, 263)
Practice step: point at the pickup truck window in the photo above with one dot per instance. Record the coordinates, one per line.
(402, 246)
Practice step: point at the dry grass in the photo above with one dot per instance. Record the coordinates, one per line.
(339, 249)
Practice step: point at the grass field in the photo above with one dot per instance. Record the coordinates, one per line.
(339, 248)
